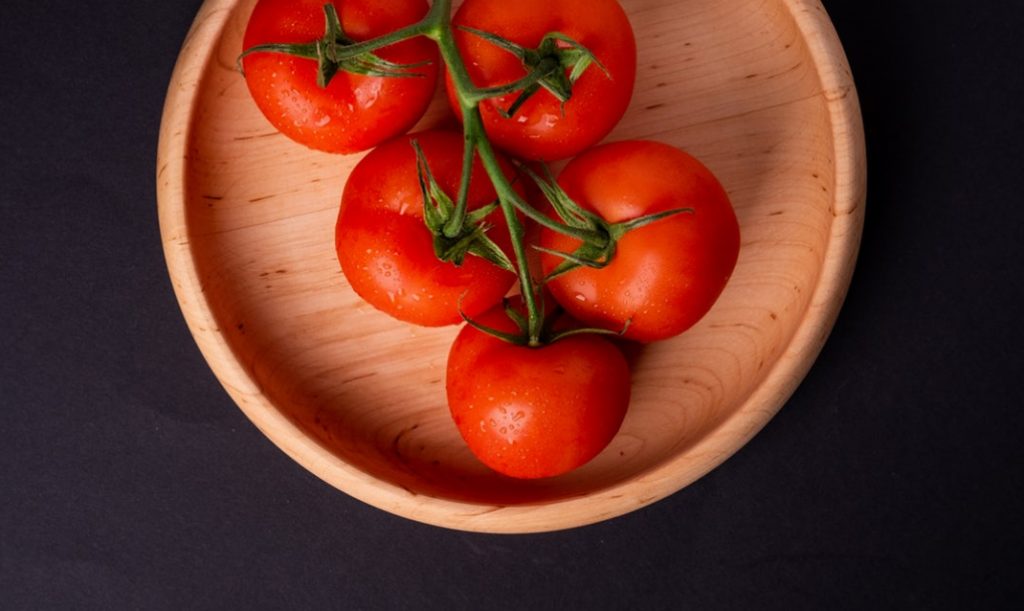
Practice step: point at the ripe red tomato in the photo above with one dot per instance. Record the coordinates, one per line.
(386, 250)
(535, 412)
(666, 275)
(542, 128)
(354, 112)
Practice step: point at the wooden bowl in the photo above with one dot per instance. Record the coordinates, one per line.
(760, 91)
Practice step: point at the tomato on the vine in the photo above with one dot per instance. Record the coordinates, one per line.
(386, 250)
(544, 128)
(535, 412)
(354, 112)
(664, 276)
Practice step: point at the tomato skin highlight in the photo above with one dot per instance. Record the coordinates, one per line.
(354, 112)
(542, 129)
(665, 276)
(535, 412)
(385, 249)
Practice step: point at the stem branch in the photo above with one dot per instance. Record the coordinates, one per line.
(436, 25)
(476, 141)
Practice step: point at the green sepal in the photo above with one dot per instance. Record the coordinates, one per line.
(547, 336)
(577, 58)
(587, 330)
(438, 209)
(546, 67)
(519, 339)
(437, 206)
(596, 253)
(570, 212)
(516, 317)
(620, 229)
(484, 247)
(474, 217)
(332, 57)
(587, 255)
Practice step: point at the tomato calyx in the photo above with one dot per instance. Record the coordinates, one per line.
(555, 65)
(335, 52)
(469, 233)
(596, 252)
(550, 332)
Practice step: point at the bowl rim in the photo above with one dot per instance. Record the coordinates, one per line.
(658, 482)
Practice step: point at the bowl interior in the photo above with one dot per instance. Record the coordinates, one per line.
(359, 398)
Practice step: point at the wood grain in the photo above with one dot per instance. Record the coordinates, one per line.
(759, 90)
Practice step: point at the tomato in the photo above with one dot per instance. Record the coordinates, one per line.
(535, 412)
(664, 276)
(354, 112)
(386, 250)
(542, 128)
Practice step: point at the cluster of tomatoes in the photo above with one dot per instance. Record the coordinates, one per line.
(634, 240)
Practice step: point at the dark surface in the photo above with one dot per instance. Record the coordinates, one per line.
(128, 479)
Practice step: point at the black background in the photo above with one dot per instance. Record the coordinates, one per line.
(892, 479)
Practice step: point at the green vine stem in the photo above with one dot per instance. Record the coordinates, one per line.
(336, 52)
(476, 139)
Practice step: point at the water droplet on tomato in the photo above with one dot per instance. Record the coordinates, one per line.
(581, 297)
